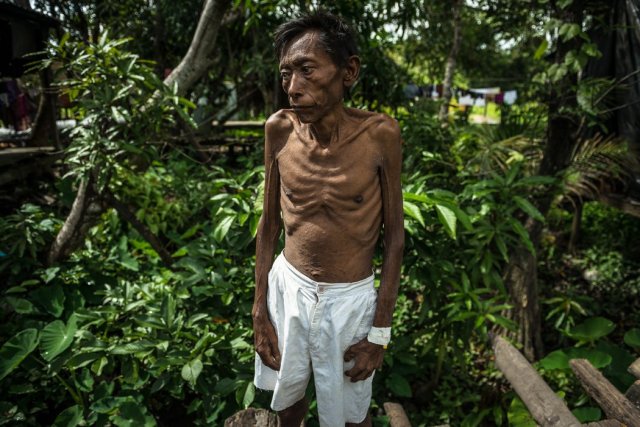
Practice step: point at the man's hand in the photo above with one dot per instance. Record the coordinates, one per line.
(266, 342)
(368, 358)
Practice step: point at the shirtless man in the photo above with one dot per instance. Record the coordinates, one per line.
(333, 178)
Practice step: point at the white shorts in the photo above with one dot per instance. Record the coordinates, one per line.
(316, 322)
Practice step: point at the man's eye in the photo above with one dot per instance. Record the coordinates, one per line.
(306, 70)
(285, 75)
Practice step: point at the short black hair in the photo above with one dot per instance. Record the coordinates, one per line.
(335, 36)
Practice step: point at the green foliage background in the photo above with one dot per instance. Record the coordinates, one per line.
(112, 335)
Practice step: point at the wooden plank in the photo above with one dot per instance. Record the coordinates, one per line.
(634, 369)
(396, 414)
(633, 393)
(546, 408)
(604, 423)
(240, 124)
(14, 155)
(612, 402)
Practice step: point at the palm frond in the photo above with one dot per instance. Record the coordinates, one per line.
(599, 165)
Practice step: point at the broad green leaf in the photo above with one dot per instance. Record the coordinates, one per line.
(51, 298)
(56, 337)
(587, 414)
(70, 417)
(555, 360)
(592, 329)
(632, 338)
(399, 385)
(597, 358)
(191, 370)
(21, 305)
(448, 218)
(14, 351)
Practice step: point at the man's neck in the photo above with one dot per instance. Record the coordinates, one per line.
(325, 130)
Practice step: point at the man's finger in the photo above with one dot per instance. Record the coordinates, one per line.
(348, 355)
(275, 353)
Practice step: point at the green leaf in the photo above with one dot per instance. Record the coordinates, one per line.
(523, 233)
(50, 298)
(21, 305)
(555, 360)
(448, 218)
(222, 228)
(56, 337)
(587, 414)
(191, 370)
(249, 395)
(399, 385)
(133, 347)
(597, 358)
(528, 208)
(14, 351)
(632, 338)
(540, 51)
(592, 329)
(70, 417)
(413, 211)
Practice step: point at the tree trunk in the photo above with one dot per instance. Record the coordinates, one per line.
(201, 54)
(194, 64)
(451, 62)
(562, 133)
(45, 126)
(71, 224)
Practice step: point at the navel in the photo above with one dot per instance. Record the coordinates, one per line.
(358, 198)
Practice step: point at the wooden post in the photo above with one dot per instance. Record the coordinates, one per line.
(634, 369)
(633, 394)
(396, 414)
(612, 402)
(546, 408)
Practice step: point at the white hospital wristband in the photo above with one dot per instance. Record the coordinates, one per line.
(380, 336)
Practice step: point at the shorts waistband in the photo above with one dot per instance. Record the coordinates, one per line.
(325, 288)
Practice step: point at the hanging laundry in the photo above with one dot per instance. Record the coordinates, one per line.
(510, 97)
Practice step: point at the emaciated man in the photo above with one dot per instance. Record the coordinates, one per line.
(333, 178)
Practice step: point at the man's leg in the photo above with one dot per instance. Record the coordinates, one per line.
(294, 414)
(365, 423)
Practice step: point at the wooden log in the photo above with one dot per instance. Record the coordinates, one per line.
(546, 408)
(612, 402)
(634, 369)
(604, 423)
(252, 417)
(396, 414)
(633, 393)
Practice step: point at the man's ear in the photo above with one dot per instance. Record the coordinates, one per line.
(351, 71)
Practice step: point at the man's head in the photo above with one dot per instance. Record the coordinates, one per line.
(318, 62)
(334, 36)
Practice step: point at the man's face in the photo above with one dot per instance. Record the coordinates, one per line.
(313, 82)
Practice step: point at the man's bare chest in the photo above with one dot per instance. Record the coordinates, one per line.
(312, 174)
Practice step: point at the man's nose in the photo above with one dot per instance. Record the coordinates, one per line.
(295, 86)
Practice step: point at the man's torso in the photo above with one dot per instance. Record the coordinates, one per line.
(331, 198)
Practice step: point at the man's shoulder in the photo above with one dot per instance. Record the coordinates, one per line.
(280, 121)
(378, 124)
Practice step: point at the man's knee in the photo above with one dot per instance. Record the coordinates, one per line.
(294, 414)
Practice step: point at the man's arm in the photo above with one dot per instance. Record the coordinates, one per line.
(368, 355)
(265, 338)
